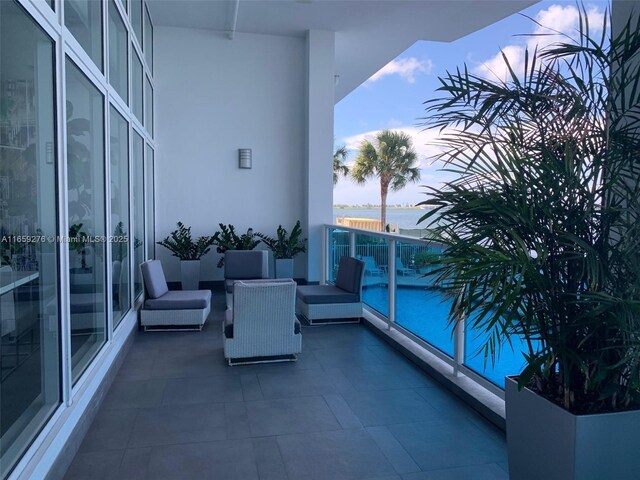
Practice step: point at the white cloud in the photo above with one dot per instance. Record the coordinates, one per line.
(497, 67)
(407, 68)
(555, 24)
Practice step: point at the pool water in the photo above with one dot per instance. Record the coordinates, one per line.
(425, 312)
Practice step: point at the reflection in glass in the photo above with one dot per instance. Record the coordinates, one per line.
(29, 324)
(148, 39)
(83, 18)
(118, 65)
(374, 251)
(119, 145)
(137, 80)
(86, 205)
(148, 107)
(138, 210)
(149, 200)
(136, 19)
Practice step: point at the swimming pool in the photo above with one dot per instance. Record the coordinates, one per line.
(424, 313)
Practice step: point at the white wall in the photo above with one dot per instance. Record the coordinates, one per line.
(215, 95)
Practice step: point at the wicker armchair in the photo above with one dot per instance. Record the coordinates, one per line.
(262, 326)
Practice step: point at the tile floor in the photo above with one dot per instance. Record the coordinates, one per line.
(350, 408)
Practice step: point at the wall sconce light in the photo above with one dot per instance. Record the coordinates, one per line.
(244, 158)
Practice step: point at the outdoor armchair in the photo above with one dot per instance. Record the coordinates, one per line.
(243, 265)
(171, 310)
(341, 302)
(262, 325)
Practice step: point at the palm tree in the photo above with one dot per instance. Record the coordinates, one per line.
(339, 167)
(391, 159)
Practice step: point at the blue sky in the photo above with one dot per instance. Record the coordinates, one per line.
(393, 97)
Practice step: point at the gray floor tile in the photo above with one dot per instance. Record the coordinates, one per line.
(110, 430)
(446, 402)
(475, 472)
(218, 389)
(136, 368)
(102, 465)
(237, 420)
(333, 455)
(342, 412)
(295, 384)
(135, 464)
(385, 377)
(135, 394)
(447, 444)
(290, 415)
(197, 364)
(178, 424)
(226, 460)
(346, 357)
(397, 456)
(268, 459)
(250, 387)
(385, 407)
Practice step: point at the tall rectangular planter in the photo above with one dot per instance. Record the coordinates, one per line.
(547, 442)
(190, 274)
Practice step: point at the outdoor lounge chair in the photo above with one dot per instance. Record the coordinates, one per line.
(402, 270)
(339, 303)
(262, 325)
(370, 267)
(171, 310)
(243, 265)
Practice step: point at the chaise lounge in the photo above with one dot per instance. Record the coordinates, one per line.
(171, 310)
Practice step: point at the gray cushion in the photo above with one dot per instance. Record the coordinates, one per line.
(154, 280)
(323, 294)
(180, 300)
(350, 274)
(245, 264)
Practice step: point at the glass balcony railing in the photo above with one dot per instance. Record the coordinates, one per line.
(396, 288)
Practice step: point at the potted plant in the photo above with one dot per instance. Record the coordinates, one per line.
(541, 237)
(284, 248)
(227, 239)
(180, 243)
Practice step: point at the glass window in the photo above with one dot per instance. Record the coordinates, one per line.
(138, 210)
(83, 18)
(136, 19)
(85, 167)
(150, 203)
(148, 107)
(148, 39)
(137, 81)
(29, 324)
(119, 192)
(118, 67)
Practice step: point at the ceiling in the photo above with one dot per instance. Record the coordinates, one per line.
(369, 33)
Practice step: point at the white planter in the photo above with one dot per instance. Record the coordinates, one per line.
(284, 267)
(190, 274)
(547, 442)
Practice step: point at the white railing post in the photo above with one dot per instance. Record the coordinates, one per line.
(324, 271)
(352, 243)
(458, 346)
(391, 272)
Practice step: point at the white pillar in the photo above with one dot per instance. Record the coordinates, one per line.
(319, 145)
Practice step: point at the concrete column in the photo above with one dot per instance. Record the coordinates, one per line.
(319, 144)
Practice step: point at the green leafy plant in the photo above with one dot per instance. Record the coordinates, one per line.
(180, 243)
(542, 230)
(284, 245)
(227, 239)
(78, 242)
